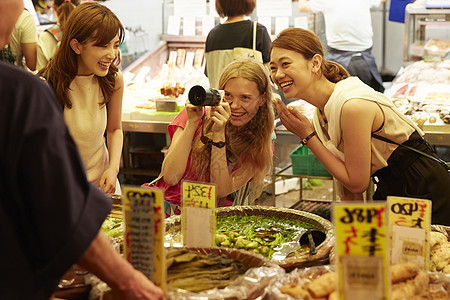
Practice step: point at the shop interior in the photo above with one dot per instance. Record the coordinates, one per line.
(162, 57)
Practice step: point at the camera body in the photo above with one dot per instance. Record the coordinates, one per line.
(202, 96)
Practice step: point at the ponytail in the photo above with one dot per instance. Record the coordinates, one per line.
(333, 71)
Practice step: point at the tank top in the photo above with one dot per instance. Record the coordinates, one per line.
(396, 126)
(86, 121)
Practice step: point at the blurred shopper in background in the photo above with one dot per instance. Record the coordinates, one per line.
(235, 32)
(50, 39)
(349, 34)
(23, 42)
(229, 144)
(87, 82)
(50, 215)
(357, 133)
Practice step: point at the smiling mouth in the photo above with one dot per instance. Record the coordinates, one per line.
(104, 65)
(237, 115)
(286, 85)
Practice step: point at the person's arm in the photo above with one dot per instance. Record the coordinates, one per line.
(175, 162)
(224, 180)
(357, 119)
(304, 6)
(46, 48)
(114, 135)
(125, 281)
(30, 53)
(28, 41)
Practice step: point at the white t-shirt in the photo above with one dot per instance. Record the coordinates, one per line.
(348, 23)
(24, 32)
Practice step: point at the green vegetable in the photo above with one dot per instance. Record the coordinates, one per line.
(258, 234)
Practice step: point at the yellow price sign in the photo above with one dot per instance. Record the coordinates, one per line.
(144, 232)
(409, 229)
(361, 244)
(198, 220)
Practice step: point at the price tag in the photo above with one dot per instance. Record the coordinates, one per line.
(198, 220)
(281, 23)
(173, 26)
(188, 25)
(144, 232)
(409, 229)
(361, 244)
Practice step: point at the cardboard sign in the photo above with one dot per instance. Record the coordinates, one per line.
(362, 244)
(409, 229)
(198, 220)
(144, 232)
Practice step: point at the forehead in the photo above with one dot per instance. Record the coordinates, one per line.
(278, 54)
(241, 85)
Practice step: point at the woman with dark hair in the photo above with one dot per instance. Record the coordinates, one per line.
(356, 131)
(235, 32)
(87, 82)
(230, 144)
(50, 39)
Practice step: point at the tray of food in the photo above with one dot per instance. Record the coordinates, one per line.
(440, 249)
(321, 282)
(218, 273)
(288, 237)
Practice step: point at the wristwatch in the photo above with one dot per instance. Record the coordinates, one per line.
(306, 139)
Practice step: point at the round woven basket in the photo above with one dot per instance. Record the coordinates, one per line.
(298, 260)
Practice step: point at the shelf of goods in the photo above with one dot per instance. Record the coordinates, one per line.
(427, 33)
(155, 91)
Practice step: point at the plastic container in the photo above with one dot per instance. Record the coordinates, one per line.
(304, 162)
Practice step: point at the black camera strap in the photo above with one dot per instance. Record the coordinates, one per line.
(437, 159)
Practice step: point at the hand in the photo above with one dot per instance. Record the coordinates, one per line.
(139, 288)
(108, 181)
(194, 113)
(294, 121)
(220, 115)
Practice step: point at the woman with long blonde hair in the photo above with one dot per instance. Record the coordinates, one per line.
(229, 144)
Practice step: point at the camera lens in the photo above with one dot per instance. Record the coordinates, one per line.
(201, 96)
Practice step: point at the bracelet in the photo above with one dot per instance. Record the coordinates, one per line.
(207, 141)
(306, 139)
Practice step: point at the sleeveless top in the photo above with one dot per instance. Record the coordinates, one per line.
(396, 126)
(86, 121)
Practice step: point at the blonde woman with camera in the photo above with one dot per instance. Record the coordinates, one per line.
(229, 145)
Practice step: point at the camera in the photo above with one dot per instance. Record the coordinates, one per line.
(201, 96)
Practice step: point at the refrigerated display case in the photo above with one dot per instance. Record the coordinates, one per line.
(427, 33)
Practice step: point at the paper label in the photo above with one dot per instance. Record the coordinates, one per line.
(409, 230)
(188, 25)
(281, 23)
(173, 26)
(361, 244)
(144, 232)
(198, 220)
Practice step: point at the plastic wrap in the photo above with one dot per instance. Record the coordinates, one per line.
(438, 286)
(297, 277)
(298, 259)
(251, 285)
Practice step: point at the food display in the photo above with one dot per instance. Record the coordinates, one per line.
(270, 238)
(422, 91)
(218, 273)
(439, 251)
(195, 272)
(258, 234)
(408, 282)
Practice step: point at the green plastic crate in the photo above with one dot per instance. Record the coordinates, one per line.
(304, 162)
